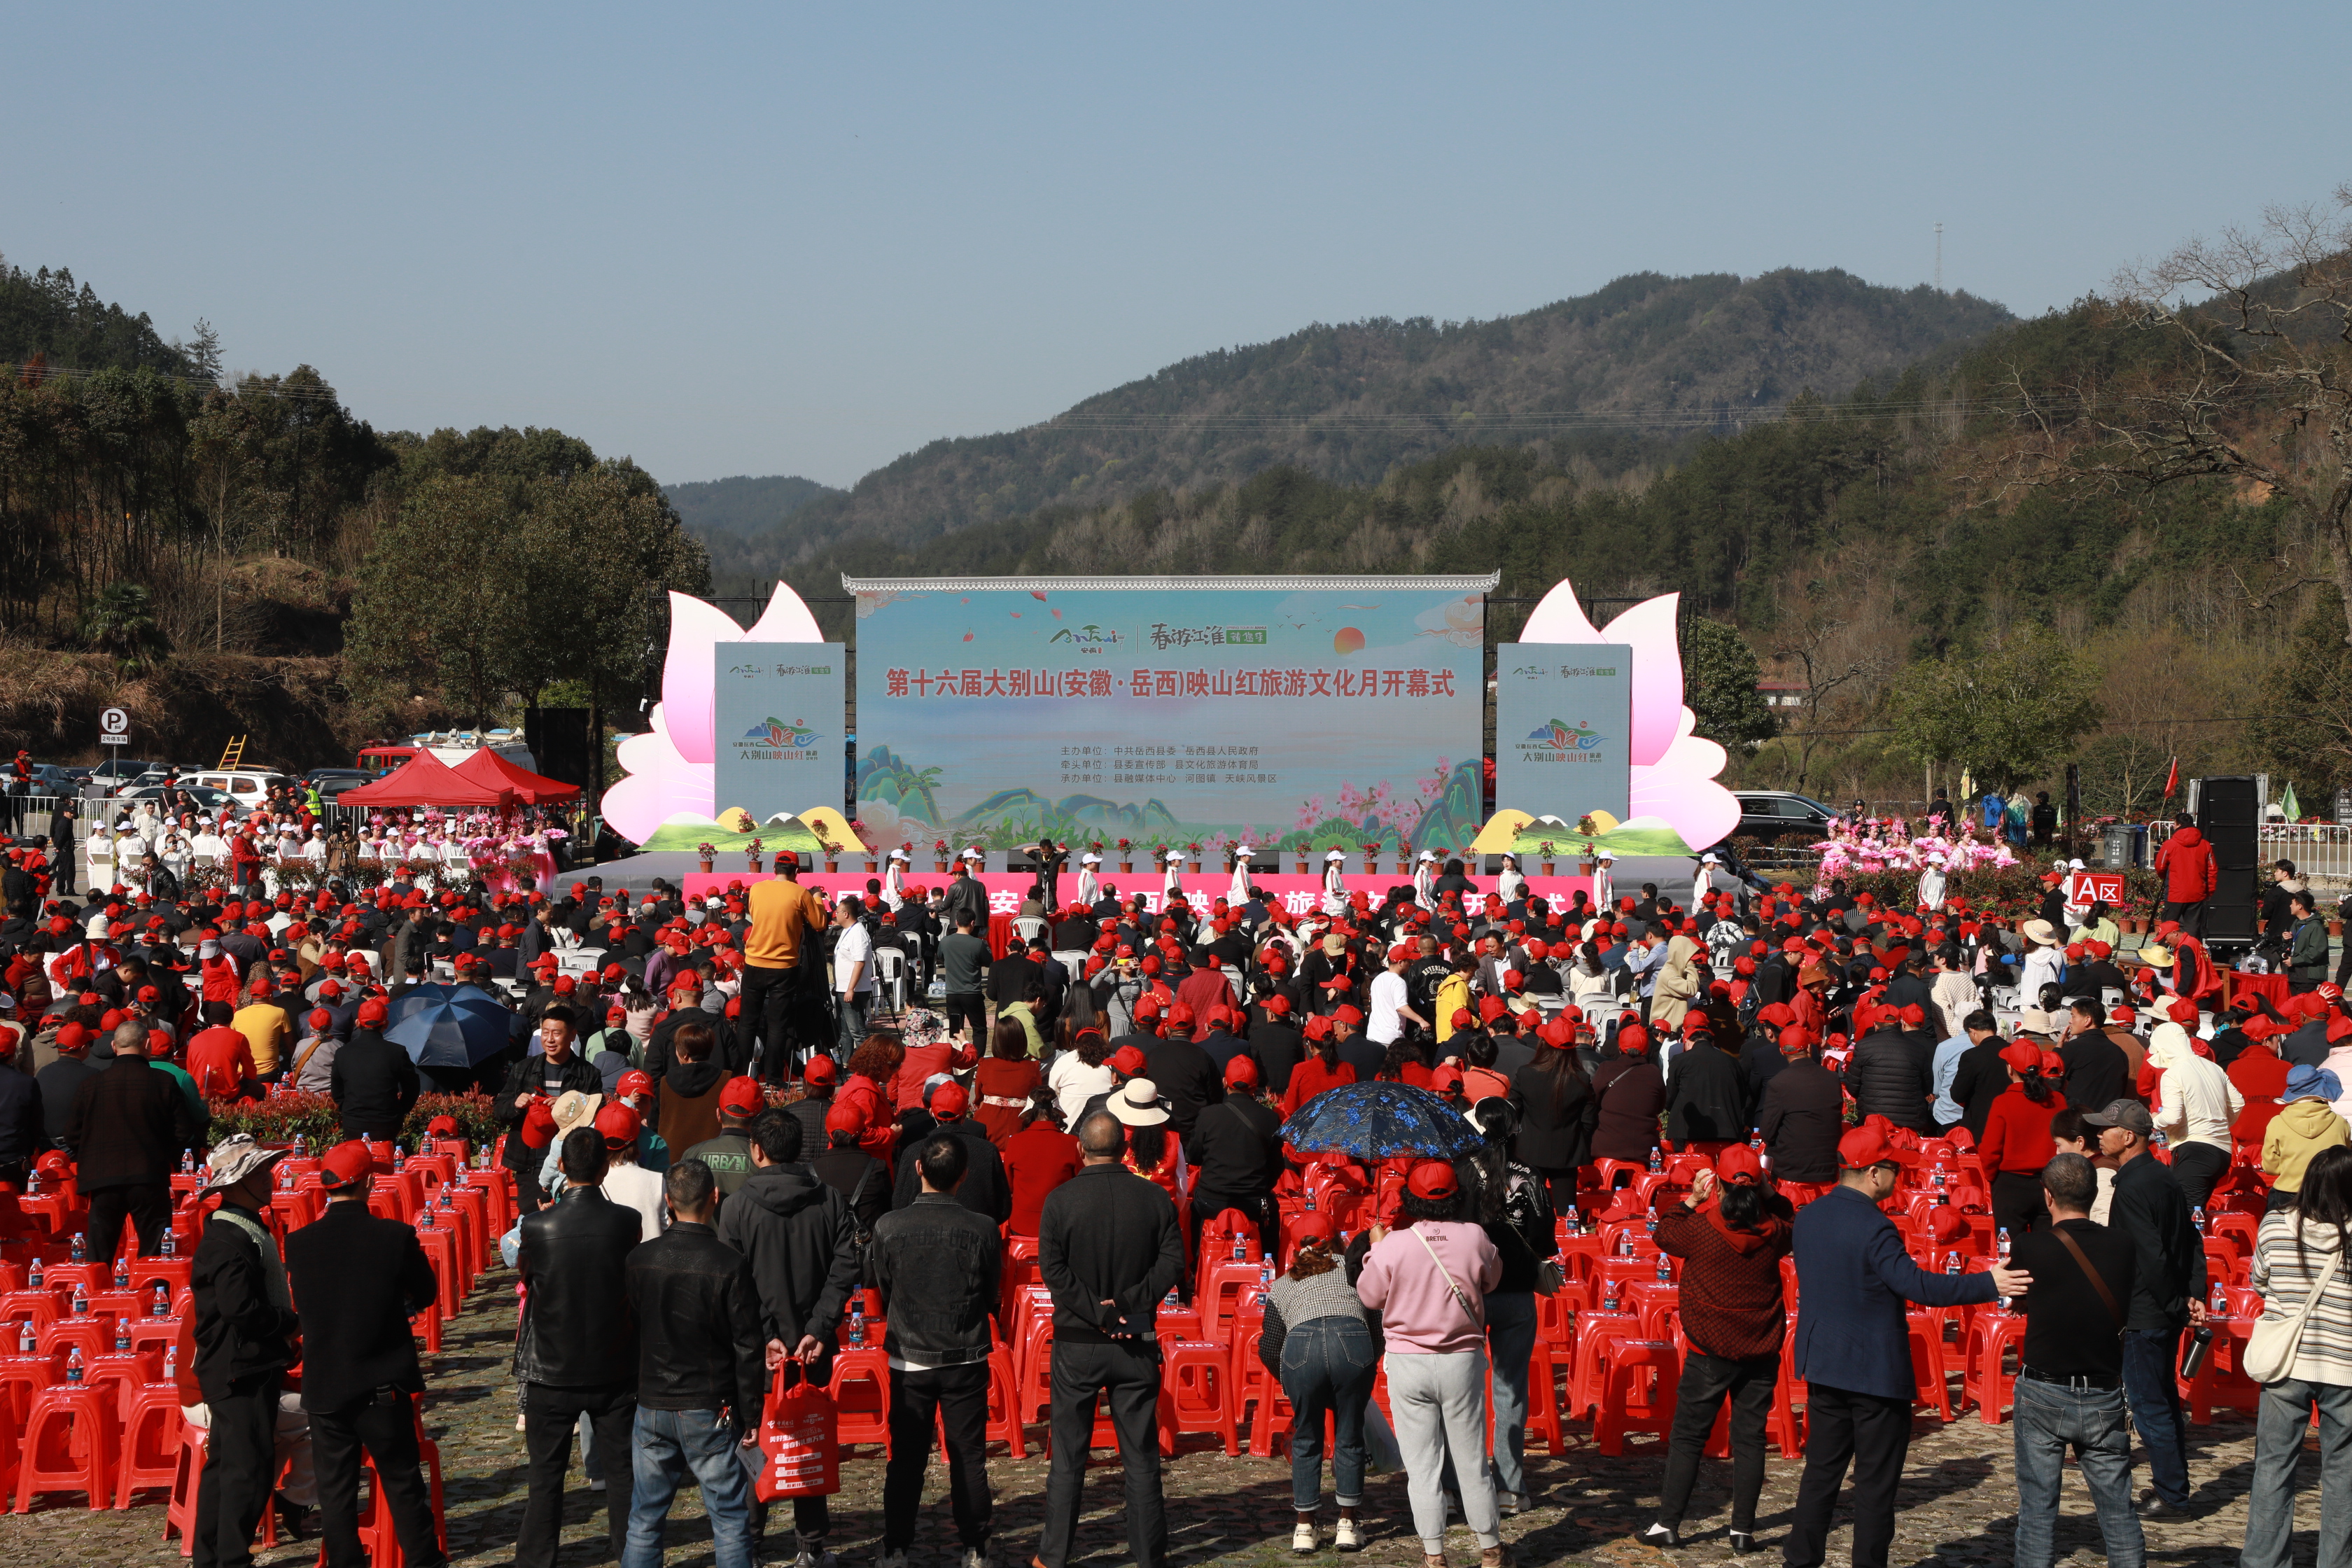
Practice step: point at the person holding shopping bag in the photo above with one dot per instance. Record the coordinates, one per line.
(1428, 1279)
(2301, 1352)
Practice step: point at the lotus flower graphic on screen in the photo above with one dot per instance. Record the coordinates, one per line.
(1674, 768)
(669, 768)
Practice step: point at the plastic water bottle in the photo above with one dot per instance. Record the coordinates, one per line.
(301, 1145)
(399, 1158)
(1241, 1253)
(1569, 1217)
(1666, 1270)
(425, 1217)
(1952, 1264)
(1310, 1200)
(449, 1199)
(1657, 1161)
(1624, 1243)
(1265, 1278)
(857, 1321)
(187, 1161)
(1941, 1180)
(2221, 1302)
(81, 1299)
(122, 1272)
(82, 1246)
(284, 1179)
(27, 1342)
(171, 1242)
(172, 1362)
(2197, 1218)
(160, 1306)
(33, 1277)
(121, 1336)
(1650, 1223)
(2001, 1242)
(1171, 1302)
(1609, 1297)
(32, 1183)
(73, 1365)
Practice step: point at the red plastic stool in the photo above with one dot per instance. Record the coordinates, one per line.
(1543, 1400)
(1643, 1379)
(151, 1441)
(68, 1447)
(1196, 1375)
(1035, 1392)
(1785, 1428)
(861, 1396)
(22, 1377)
(1985, 1378)
(1926, 1330)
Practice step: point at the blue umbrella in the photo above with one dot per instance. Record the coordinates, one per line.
(1376, 1120)
(448, 1026)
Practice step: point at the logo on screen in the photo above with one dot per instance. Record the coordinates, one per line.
(1563, 737)
(1088, 635)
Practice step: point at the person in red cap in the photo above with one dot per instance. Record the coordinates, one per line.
(375, 1082)
(1629, 1094)
(1322, 1070)
(219, 1057)
(1730, 1232)
(1428, 1279)
(1236, 1150)
(1853, 1349)
(356, 1280)
(2016, 1142)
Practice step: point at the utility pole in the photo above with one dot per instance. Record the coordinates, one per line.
(1939, 257)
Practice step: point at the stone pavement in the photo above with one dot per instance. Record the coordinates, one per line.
(1958, 1499)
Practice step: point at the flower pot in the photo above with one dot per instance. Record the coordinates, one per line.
(831, 864)
(872, 865)
(942, 866)
(754, 861)
(1126, 867)
(1304, 869)
(1546, 867)
(704, 866)
(2335, 928)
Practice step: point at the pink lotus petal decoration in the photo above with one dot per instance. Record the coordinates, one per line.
(670, 769)
(1674, 768)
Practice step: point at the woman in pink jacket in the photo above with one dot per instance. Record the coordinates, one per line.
(1428, 1278)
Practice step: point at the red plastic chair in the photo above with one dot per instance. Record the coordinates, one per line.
(861, 1396)
(22, 1377)
(1785, 1427)
(1196, 1377)
(1034, 1386)
(1641, 1380)
(151, 1441)
(1986, 1376)
(1254, 1386)
(1543, 1399)
(1926, 1330)
(1596, 1334)
(68, 1447)
(1224, 1296)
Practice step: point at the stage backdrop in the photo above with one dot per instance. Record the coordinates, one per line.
(778, 717)
(1563, 729)
(1333, 711)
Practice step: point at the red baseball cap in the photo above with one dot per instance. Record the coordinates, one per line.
(1242, 1073)
(345, 1165)
(820, 1071)
(1432, 1179)
(1739, 1165)
(1867, 1146)
(845, 1117)
(372, 1011)
(742, 1097)
(1126, 1061)
(949, 1101)
(637, 1080)
(619, 1125)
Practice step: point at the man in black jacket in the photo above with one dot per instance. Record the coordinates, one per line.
(60, 1080)
(1801, 1115)
(983, 1189)
(2096, 1069)
(1108, 1249)
(576, 1352)
(359, 1279)
(1236, 1148)
(1891, 1076)
(1706, 1100)
(559, 1067)
(1980, 1076)
(795, 1232)
(702, 1375)
(1275, 1042)
(128, 1127)
(936, 1264)
(2168, 1295)
(373, 1081)
(1187, 1078)
(244, 1342)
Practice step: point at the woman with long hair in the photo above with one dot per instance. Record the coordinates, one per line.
(2016, 1142)
(1559, 1111)
(2294, 1248)
(1004, 1080)
(1320, 1345)
(1319, 1072)
(1590, 982)
(1428, 1278)
(1078, 1074)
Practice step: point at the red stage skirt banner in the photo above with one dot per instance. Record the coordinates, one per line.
(1298, 895)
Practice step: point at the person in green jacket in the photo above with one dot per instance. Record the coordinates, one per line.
(2306, 963)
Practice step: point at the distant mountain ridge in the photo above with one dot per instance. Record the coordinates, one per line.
(1350, 403)
(741, 505)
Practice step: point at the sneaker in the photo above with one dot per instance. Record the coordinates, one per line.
(975, 1557)
(1348, 1536)
(817, 1559)
(1303, 1538)
(1514, 1502)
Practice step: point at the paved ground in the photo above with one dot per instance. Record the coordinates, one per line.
(1958, 1499)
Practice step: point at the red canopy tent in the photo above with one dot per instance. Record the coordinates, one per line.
(425, 780)
(487, 767)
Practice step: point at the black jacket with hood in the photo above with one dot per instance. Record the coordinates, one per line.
(797, 1233)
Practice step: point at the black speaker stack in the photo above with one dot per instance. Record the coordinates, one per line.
(2229, 812)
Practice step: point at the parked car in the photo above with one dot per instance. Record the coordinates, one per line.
(249, 786)
(50, 779)
(116, 772)
(1773, 816)
(210, 799)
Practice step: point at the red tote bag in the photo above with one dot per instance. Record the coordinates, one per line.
(800, 1451)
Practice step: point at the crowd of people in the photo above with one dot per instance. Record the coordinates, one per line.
(728, 1121)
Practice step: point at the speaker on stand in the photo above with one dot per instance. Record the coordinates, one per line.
(2229, 813)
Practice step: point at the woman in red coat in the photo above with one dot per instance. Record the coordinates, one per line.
(1037, 1159)
(1319, 1072)
(2016, 1142)
(1005, 1080)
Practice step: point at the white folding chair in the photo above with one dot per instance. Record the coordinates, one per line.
(890, 976)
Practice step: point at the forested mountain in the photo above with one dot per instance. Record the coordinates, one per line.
(1350, 403)
(741, 505)
(47, 317)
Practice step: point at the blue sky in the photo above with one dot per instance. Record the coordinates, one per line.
(764, 239)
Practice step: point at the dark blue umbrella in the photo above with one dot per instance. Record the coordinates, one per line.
(1376, 1120)
(448, 1026)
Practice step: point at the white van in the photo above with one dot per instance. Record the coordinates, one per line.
(248, 786)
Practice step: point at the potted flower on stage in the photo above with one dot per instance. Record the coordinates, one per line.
(1372, 859)
(939, 855)
(831, 855)
(703, 853)
(1587, 861)
(752, 851)
(1194, 851)
(1126, 859)
(1404, 858)
(1303, 851)
(1545, 852)
(872, 864)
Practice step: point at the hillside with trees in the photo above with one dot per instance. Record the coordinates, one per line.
(1647, 363)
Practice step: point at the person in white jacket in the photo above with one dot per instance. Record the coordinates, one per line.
(2195, 1105)
(2043, 961)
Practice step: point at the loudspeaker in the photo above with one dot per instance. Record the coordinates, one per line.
(559, 740)
(2229, 812)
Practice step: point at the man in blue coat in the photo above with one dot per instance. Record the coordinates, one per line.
(1854, 1350)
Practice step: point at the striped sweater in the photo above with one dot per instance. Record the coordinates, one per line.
(2324, 1353)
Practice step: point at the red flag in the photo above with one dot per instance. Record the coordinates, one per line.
(2172, 779)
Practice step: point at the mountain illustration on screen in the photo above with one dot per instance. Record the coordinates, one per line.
(1566, 737)
(776, 733)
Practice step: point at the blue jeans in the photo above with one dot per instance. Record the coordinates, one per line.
(2279, 1425)
(2152, 1385)
(2049, 1419)
(1327, 1364)
(669, 1444)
